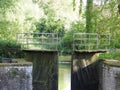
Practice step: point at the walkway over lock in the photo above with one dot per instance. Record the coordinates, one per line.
(91, 41)
(84, 67)
(41, 50)
(50, 41)
(41, 41)
(84, 73)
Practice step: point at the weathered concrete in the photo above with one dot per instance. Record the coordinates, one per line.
(88, 73)
(16, 76)
(45, 69)
(85, 70)
(109, 76)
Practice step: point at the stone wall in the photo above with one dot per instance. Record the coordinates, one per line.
(45, 69)
(109, 75)
(15, 76)
(84, 70)
(88, 73)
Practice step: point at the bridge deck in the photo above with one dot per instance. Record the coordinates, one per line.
(37, 50)
(90, 51)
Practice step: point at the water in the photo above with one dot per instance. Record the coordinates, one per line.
(64, 81)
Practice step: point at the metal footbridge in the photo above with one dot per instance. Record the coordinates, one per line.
(40, 41)
(50, 41)
(91, 41)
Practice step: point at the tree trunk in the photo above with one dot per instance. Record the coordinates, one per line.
(89, 8)
(119, 8)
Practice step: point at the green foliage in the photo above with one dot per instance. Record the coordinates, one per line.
(8, 30)
(4, 4)
(16, 17)
(111, 55)
(9, 49)
(7, 27)
(67, 41)
(108, 22)
(74, 4)
(103, 19)
(89, 16)
(50, 26)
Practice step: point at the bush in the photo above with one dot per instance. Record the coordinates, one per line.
(10, 49)
(66, 42)
(111, 55)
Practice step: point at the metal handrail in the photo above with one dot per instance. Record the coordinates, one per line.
(43, 41)
(91, 41)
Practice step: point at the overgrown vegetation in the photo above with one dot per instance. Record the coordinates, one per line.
(111, 55)
(50, 26)
(10, 49)
(66, 43)
(36, 16)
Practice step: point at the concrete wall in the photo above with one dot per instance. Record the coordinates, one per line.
(84, 70)
(15, 76)
(88, 73)
(45, 69)
(109, 75)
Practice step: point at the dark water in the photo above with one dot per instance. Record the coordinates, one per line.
(64, 82)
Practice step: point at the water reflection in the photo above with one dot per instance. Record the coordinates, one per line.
(64, 77)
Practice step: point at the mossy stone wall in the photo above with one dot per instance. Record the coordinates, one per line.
(45, 69)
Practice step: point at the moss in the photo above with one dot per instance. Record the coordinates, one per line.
(16, 64)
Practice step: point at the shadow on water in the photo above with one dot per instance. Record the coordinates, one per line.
(64, 76)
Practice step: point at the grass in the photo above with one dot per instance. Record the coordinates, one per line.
(114, 55)
(65, 58)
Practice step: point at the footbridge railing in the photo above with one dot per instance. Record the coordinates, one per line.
(50, 41)
(91, 41)
(42, 41)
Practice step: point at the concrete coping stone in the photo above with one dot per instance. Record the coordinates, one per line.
(36, 50)
(17, 64)
(90, 51)
(112, 62)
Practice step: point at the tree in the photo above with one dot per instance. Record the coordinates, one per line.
(5, 25)
(108, 21)
(89, 16)
(17, 16)
(66, 43)
(5, 4)
(79, 7)
(50, 26)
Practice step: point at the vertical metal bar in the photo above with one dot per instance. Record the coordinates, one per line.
(42, 40)
(109, 40)
(73, 41)
(89, 39)
(27, 40)
(97, 41)
(56, 40)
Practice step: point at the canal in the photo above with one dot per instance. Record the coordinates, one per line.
(64, 81)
